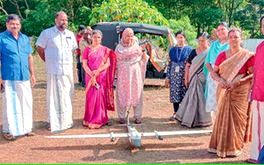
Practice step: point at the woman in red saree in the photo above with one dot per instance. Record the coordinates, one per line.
(233, 72)
(99, 64)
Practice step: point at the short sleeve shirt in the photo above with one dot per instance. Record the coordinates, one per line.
(58, 47)
(191, 56)
(14, 54)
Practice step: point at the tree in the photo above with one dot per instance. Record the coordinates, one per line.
(203, 14)
(184, 24)
(248, 17)
(37, 15)
(230, 7)
(128, 11)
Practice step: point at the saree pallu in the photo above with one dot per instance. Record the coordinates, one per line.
(17, 118)
(191, 112)
(110, 76)
(233, 121)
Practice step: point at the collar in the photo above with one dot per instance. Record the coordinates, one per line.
(10, 34)
(58, 31)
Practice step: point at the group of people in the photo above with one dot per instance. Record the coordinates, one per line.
(56, 46)
(215, 84)
(210, 84)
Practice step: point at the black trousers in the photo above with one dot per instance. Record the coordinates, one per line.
(80, 71)
(176, 107)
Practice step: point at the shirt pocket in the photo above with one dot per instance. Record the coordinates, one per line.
(69, 43)
(25, 49)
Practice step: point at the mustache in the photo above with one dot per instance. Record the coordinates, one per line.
(62, 26)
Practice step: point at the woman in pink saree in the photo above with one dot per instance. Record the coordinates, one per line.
(99, 64)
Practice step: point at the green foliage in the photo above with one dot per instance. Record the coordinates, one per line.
(184, 24)
(2, 21)
(127, 11)
(248, 17)
(140, 12)
(39, 19)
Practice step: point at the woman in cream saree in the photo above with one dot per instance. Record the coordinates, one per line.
(233, 72)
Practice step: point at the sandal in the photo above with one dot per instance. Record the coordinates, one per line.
(9, 137)
(137, 121)
(252, 161)
(48, 126)
(173, 117)
(122, 121)
(30, 134)
(109, 123)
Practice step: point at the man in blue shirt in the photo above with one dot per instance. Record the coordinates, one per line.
(17, 71)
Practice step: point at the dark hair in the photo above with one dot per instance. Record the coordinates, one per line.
(236, 30)
(180, 32)
(203, 34)
(225, 24)
(12, 17)
(81, 27)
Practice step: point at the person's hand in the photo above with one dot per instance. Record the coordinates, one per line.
(213, 75)
(95, 73)
(232, 85)
(1, 85)
(167, 83)
(33, 80)
(186, 83)
(223, 84)
(144, 56)
(93, 81)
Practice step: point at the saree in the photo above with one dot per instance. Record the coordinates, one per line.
(191, 112)
(233, 121)
(97, 101)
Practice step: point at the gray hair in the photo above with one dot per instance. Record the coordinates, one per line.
(11, 17)
(59, 13)
(97, 32)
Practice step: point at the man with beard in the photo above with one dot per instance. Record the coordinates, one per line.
(55, 46)
(17, 70)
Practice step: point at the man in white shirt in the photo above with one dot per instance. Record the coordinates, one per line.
(55, 46)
